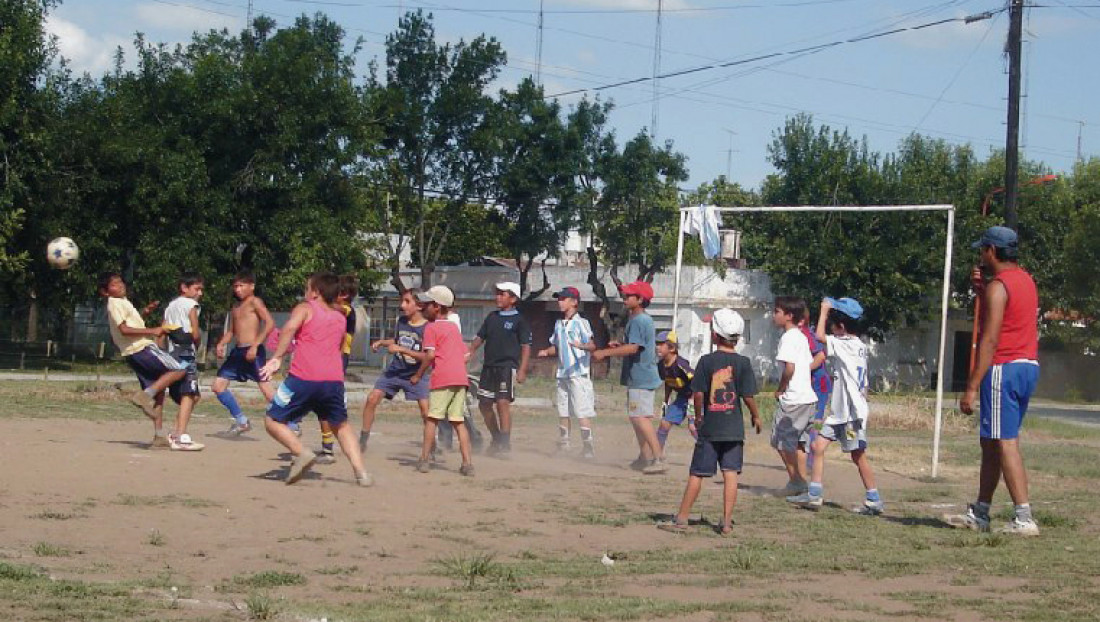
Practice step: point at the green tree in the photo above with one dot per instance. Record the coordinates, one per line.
(434, 108)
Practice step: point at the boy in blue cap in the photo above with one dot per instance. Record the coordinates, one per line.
(847, 423)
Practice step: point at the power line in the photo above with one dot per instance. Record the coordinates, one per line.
(753, 59)
(686, 10)
(958, 72)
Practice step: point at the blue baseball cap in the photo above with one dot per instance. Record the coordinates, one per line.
(997, 237)
(847, 306)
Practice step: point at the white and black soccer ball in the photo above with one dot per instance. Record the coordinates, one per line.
(62, 253)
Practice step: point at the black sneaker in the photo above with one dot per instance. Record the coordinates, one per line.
(639, 463)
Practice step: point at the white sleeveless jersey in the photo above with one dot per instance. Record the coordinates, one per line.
(847, 357)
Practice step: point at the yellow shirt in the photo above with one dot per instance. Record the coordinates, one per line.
(349, 336)
(122, 311)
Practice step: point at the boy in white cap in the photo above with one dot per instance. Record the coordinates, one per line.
(847, 423)
(723, 380)
(507, 339)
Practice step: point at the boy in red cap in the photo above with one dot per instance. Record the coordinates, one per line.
(639, 374)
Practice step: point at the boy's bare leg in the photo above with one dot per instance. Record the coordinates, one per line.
(183, 417)
(647, 438)
(265, 388)
(819, 446)
(158, 410)
(349, 445)
(504, 412)
(463, 441)
(486, 408)
(859, 457)
(221, 384)
(282, 433)
(800, 456)
(990, 474)
(790, 461)
(1012, 468)
(429, 438)
(370, 408)
(729, 498)
(166, 380)
(691, 493)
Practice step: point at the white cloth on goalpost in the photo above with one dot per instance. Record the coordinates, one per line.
(703, 221)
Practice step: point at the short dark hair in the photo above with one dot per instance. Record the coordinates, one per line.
(644, 303)
(105, 279)
(349, 286)
(850, 324)
(1006, 254)
(793, 306)
(187, 279)
(245, 276)
(732, 341)
(327, 285)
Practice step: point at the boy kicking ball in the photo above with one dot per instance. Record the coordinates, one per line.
(316, 379)
(156, 370)
(723, 380)
(847, 424)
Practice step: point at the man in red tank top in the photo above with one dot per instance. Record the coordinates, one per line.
(1004, 377)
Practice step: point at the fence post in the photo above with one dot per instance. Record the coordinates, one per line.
(101, 350)
(46, 373)
(49, 346)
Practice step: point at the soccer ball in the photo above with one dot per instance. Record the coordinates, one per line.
(62, 253)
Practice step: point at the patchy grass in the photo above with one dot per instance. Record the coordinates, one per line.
(267, 579)
(45, 549)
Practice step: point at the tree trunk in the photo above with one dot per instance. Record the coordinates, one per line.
(545, 283)
(32, 317)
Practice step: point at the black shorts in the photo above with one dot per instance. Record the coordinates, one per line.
(190, 383)
(709, 456)
(497, 383)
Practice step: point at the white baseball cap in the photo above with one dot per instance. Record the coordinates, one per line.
(439, 294)
(509, 286)
(727, 323)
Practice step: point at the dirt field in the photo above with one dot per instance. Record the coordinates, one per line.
(94, 526)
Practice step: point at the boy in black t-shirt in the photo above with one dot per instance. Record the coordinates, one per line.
(507, 339)
(723, 379)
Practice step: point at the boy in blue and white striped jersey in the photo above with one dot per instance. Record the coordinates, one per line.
(572, 343)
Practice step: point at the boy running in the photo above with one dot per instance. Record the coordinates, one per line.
(574, 395)
(349, 289)
(723, 379)
(797, 400)
(847, 424)
(156, 370)
(676, 373)
(316, 378)
(181, 321)
(407, 348)
(446, 356)
(507, 339)
(639, 374)
(249, 324)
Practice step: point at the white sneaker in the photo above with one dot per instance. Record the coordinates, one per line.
(793, 489)
(869, 508)
(1020, 528)
(807, 500)
(183, 442)
(971, 520)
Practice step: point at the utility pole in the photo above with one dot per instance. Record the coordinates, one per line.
(729, 155)
(656, 72)
(1012, 140)
(1080, 126)
(538, 48)
(248, 17)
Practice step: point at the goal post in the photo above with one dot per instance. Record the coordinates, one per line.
(685, 213)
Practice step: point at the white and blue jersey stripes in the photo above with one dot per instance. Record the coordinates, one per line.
(572, 361)
(1004, 396)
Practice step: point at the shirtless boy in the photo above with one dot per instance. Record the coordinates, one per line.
(249, 324)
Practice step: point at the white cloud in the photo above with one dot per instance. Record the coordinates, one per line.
(184, 19)
(85, 52)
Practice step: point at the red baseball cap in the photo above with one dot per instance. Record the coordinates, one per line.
(638, 288)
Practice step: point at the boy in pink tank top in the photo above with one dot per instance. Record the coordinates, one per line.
(446, 357)
(316, 379)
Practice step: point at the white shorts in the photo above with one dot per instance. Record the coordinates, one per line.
(575, 396)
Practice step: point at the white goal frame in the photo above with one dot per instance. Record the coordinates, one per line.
(950, 209)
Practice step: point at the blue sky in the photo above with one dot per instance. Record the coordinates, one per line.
(946, 81)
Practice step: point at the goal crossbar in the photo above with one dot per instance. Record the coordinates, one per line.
(949, 209)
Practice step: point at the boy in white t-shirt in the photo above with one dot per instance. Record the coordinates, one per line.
(181, 325)
(797, 400)
(572, 343)
(847, 424)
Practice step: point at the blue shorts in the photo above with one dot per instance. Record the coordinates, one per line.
(1005, 392)
(296, 397)
(190, 383)
(238, 369)
(709, 456)
(151, 363)
(676, 411)
(390, 385)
